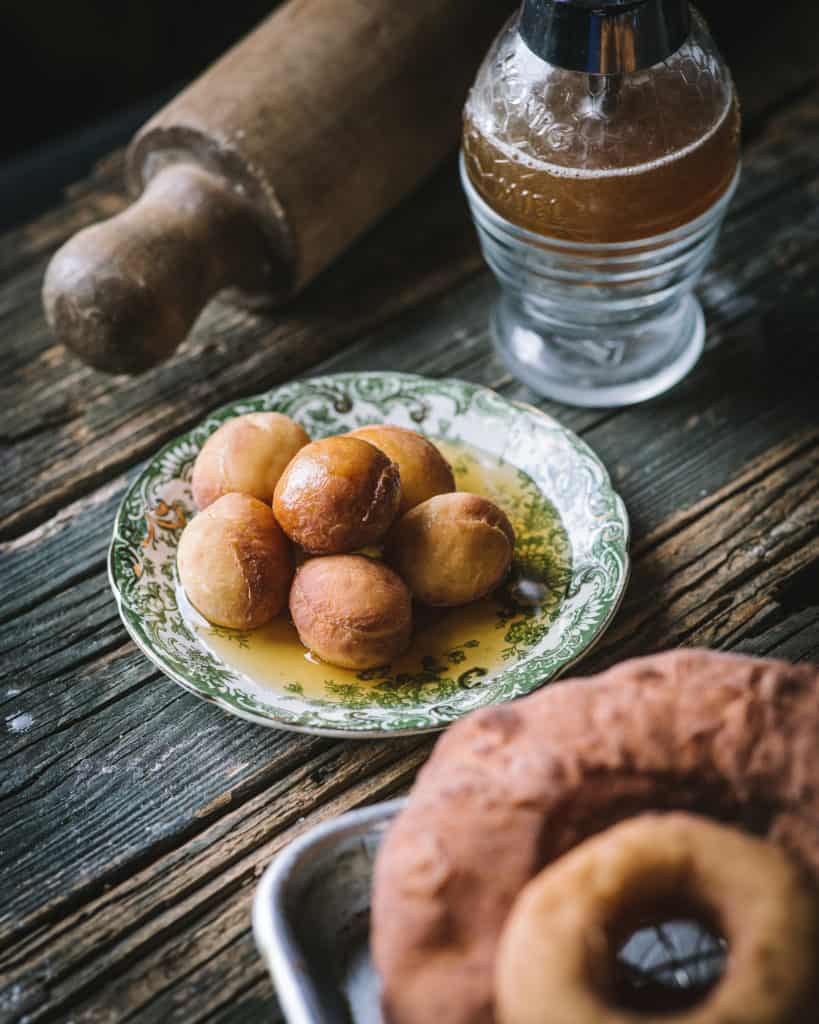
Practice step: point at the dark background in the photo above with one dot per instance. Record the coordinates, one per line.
(79, 76)
(77, 60)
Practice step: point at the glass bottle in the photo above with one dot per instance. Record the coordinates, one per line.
(600, 150)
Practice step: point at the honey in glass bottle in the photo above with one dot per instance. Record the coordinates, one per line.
(597, 132)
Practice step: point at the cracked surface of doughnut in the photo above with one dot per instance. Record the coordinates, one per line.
(235, 563)
(246, 454)
(452, 548)
(423, 469)
(337, 495)
(510, 788)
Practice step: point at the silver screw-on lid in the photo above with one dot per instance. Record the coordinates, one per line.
(604, 37)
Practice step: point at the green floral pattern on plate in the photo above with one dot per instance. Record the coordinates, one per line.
(563, 468)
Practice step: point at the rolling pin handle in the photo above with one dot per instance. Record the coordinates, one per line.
(124, 293)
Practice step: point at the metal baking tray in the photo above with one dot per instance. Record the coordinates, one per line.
(311, 920)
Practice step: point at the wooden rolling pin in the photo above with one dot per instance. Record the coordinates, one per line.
(268, 166)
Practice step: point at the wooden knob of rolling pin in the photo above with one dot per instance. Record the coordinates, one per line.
(268, 166)
(122, 294)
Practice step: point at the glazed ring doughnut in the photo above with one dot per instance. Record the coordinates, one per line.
(512, 787)
(557, 951)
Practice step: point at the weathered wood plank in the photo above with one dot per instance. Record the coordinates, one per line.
(43, 711)
(98, 426)
(62, 551)
(708, 581)
(656, 485)
(232, 985)
(99, 196)
(211, 878)
(66, 828)
(706, 431)
(131, 900)
(794, 639)
(247, 1005)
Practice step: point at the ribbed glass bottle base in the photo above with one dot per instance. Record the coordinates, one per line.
(611, 367)
(597, 325)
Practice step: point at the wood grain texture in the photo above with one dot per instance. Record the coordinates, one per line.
(98, 425)
(705, 582)
(134, 819)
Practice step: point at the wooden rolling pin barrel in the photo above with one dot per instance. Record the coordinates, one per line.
(267, 167)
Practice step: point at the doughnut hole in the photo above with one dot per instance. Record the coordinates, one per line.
(337, 495)
(351, 611)
(424, 471)
(235, 563)
(452, 549)
(247, 454)
(668, 960)
(558, 954)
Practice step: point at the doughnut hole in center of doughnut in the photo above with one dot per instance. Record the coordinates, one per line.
(558, 955)
(664, 959)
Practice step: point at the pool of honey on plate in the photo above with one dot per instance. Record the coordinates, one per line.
(456, 647)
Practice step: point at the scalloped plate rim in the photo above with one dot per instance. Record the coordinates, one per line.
(273, 722)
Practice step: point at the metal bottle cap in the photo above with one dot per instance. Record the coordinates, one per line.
(604, 37)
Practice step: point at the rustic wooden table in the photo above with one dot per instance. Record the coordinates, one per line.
(135, 819)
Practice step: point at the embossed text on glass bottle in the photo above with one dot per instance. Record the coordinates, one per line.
(601, 158)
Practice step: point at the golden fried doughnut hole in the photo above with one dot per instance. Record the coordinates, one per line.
(424, 471)
(247, 454)
(452, 549)
(235, 563)
(558, 946)
(351, 611)
(337, 495)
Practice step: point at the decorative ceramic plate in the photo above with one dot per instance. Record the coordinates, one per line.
(567, 579)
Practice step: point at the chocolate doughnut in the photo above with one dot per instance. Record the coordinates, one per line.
(557, 954)
(512, 787)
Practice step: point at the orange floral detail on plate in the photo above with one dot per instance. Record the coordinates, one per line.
(164, 516)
